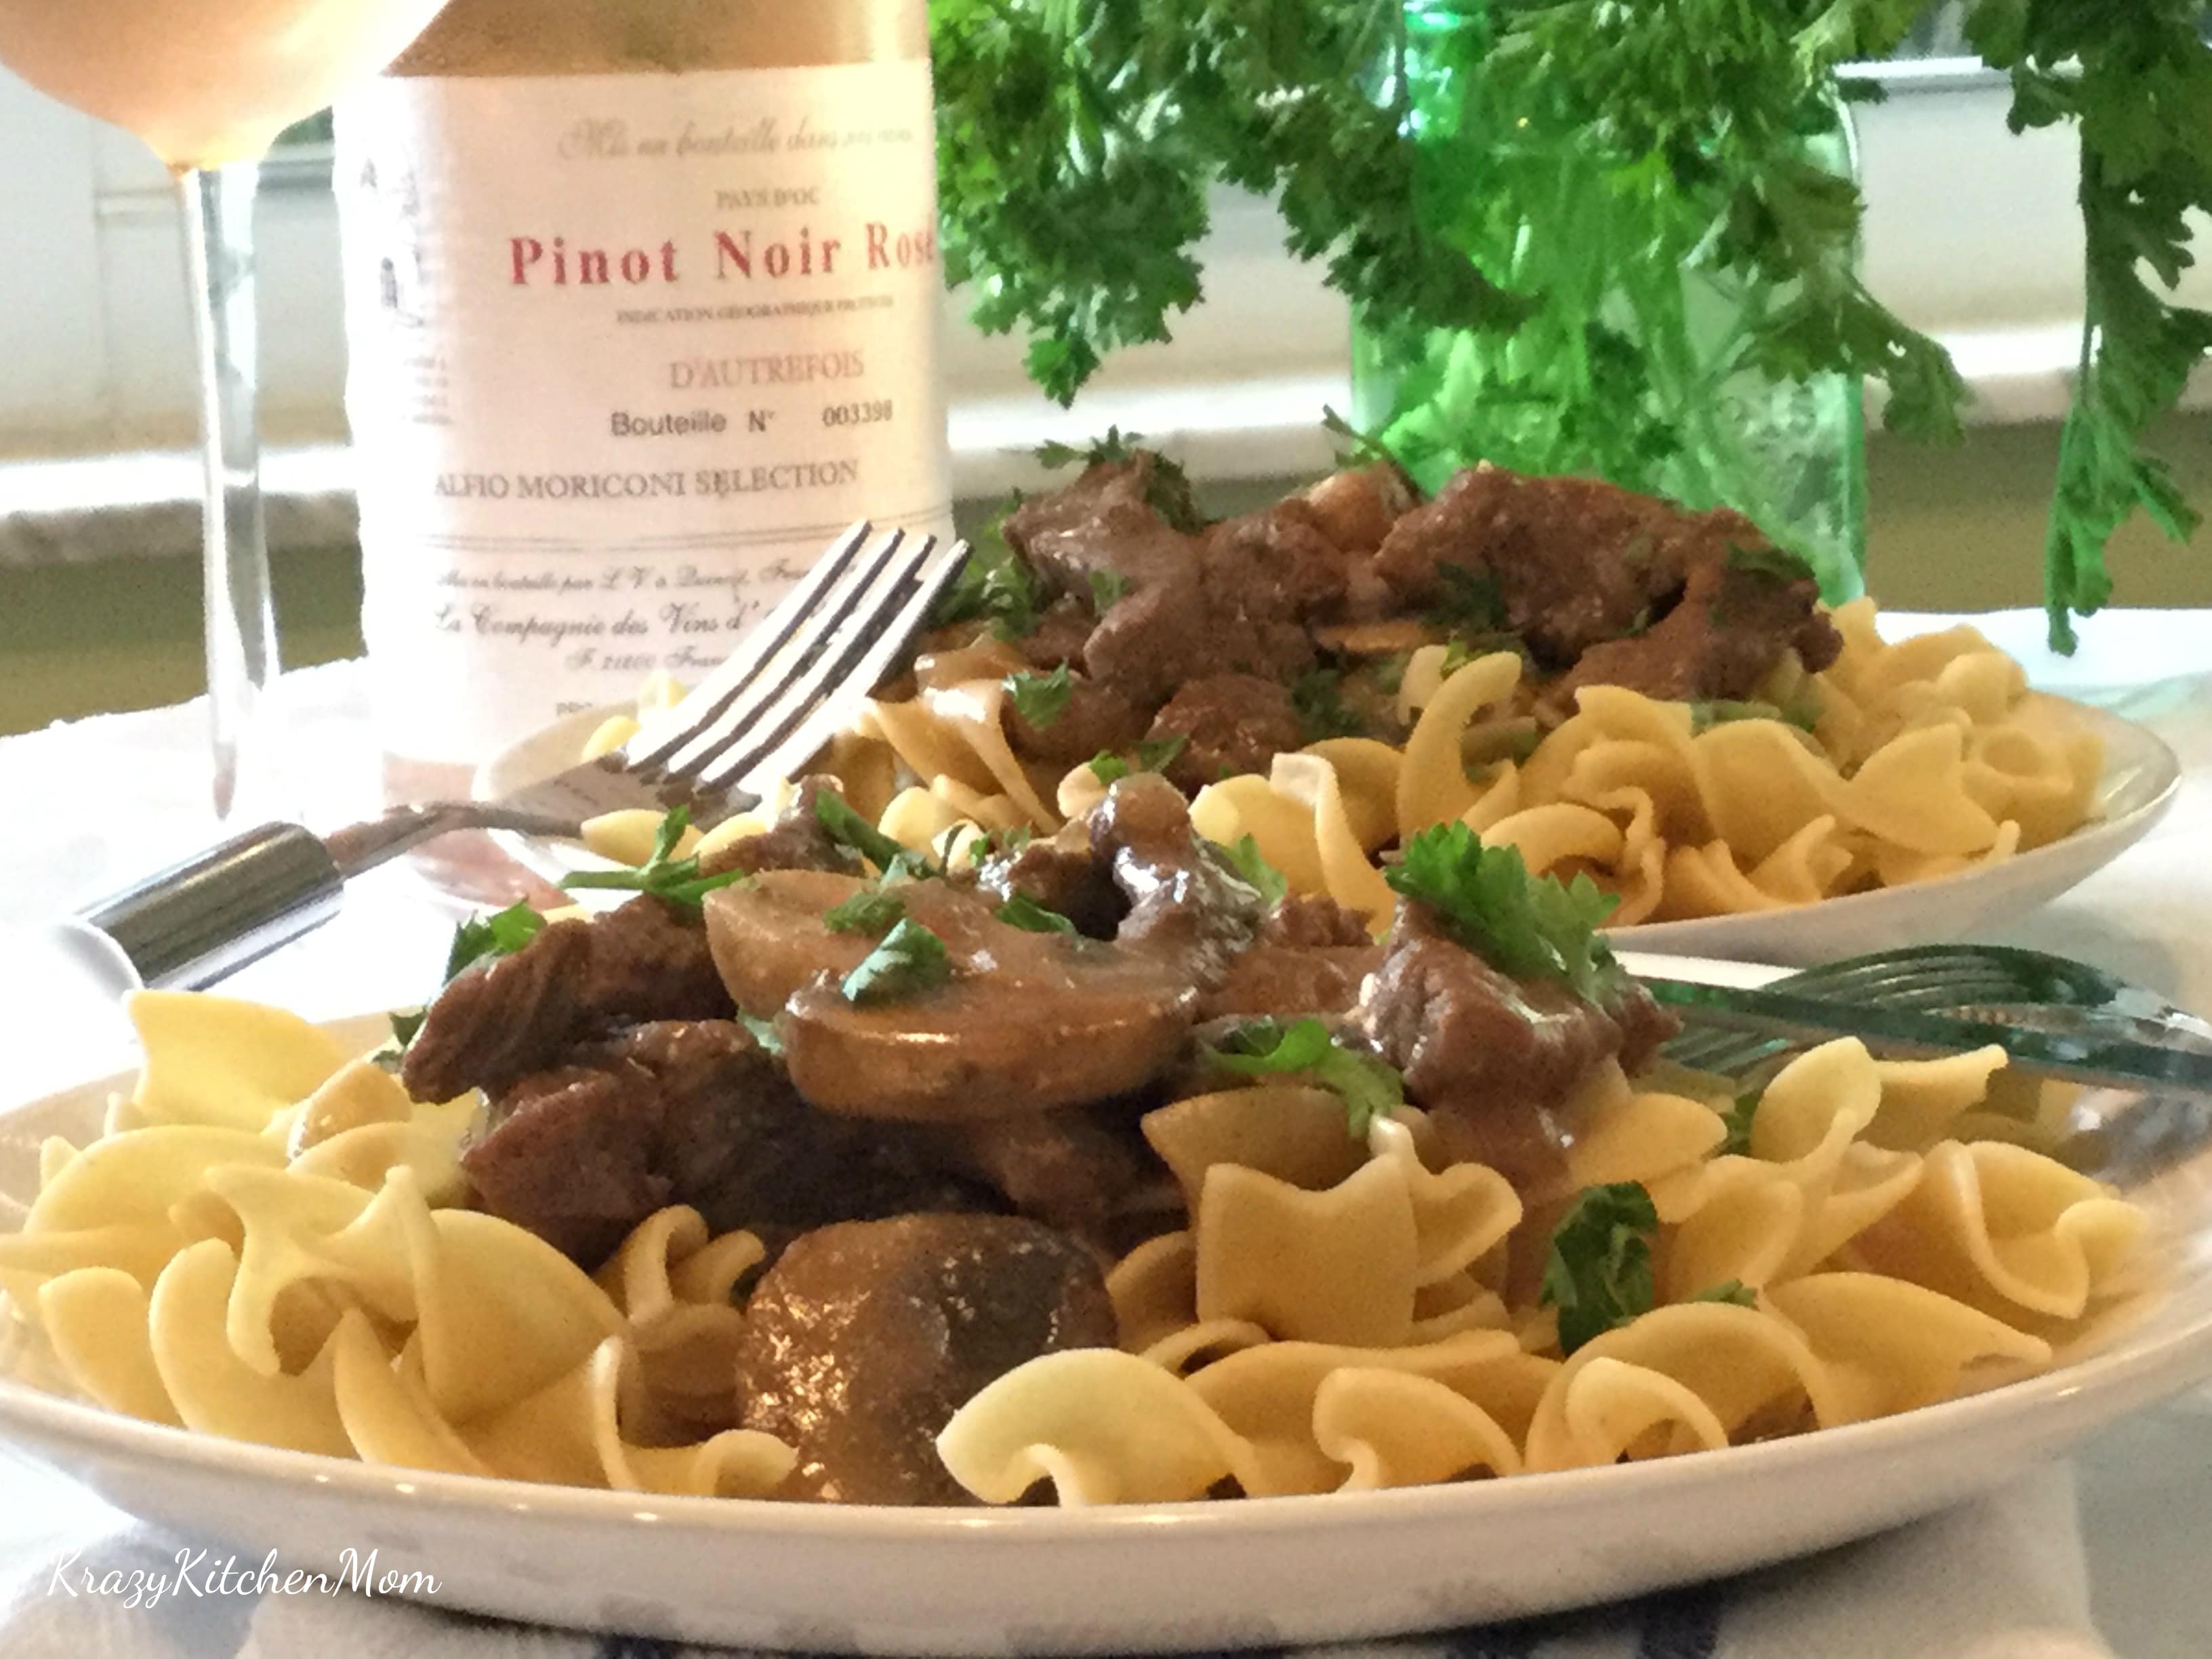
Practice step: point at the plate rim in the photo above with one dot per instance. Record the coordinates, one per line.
(2134, 1370)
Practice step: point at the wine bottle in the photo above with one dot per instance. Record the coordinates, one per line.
(642, 304)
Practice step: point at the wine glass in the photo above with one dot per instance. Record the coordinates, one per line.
(209, 84)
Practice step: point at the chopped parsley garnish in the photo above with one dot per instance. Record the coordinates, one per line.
(1158, 754)
(1598, 1272)
(1733, 1290)
(1271, 884)
(480, 938)
(763, 1031)
(1777, 562)
(1153, 755)
(673, 880)
(1168, 492)
(850, 830)
(1318, 697)
(1467, 598)
(1025, 913)
(1798, 711)
(500, 934)
(404, 1024)
(1040, 699)
(1360, 448)
(1529, 927)
(996, 585)
(1266, 1047)
(871, 910)
(1107, 589)
(910, 960)
(1738, 1118)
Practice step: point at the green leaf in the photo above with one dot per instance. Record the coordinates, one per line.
(1040, 699)
(404, 1024)
(665, 876)
(763, 1031)
(1598, 1273)
(1115, 446)
(500, 934)
(910, 960)
(1271, 884)
(1107, 589)
(1801, 713)
(1266, 1048)
(1108, 768)
(846, 827)
(1527, 926)
(1025, 913)
(1733, 1290)
(996, 585)
(1158, 754)
(1318, 697)
(1467, 598)
(871, 910)
(1738, 1118)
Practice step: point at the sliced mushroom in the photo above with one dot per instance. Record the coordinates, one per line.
(769, 938)
(862, 1342)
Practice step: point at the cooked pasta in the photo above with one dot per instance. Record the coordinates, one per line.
(264, 1246)
(1338, 1319)
(262, 1253)
(1927, 757)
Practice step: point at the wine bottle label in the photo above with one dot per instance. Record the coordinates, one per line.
(627, 352)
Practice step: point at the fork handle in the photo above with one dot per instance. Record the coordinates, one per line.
(206, 918)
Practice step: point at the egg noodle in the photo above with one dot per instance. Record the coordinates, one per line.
(1923, 758)
(267, 1243)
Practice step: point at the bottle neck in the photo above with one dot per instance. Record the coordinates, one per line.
(616, 37)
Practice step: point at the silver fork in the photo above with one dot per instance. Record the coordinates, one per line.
(792, 683)
(2124, 1137)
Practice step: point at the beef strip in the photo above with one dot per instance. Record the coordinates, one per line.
(1061, 628)
(1723, 637)
(1076, 1169)
(683, 1112)
(796, 840)
(521, 1013)
(1287, 980)
(1095, 719)
(1313, 919)
(1105, 523)
(865, 1338)
(1060, 874)
(1186, 904)
(1490, 1058)
(1230, 723)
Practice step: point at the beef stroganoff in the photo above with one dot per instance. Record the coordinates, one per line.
(1100, 1165)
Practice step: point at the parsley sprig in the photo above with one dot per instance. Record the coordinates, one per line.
(665, 876)
(996, 585)
(480, 938)
(1266, 1047)
(1529, 927)
(910, 960)
(1598, 1275)
(1153, 755)
(843, 824)
(1271, 884)
(871, 910)
(1027, 913)
(1040, 699)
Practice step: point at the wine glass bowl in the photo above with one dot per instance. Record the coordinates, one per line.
(208, 87)
(204, 85)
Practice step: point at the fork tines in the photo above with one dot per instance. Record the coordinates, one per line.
(803, 671)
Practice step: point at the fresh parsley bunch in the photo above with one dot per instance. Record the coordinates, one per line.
(1078, 139)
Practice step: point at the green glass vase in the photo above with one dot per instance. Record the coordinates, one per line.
(1626, 366)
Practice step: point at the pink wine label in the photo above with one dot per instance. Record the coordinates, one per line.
(627, 352)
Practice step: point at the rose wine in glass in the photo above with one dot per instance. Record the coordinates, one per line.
(208, 87)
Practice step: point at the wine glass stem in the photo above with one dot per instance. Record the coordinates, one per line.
(241, 625)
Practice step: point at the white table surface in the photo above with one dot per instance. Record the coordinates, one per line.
(94, 805)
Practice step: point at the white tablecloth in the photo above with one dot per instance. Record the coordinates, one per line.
(96, 803)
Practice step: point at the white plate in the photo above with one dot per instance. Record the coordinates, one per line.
(1171, 1577)
(2142, 778)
